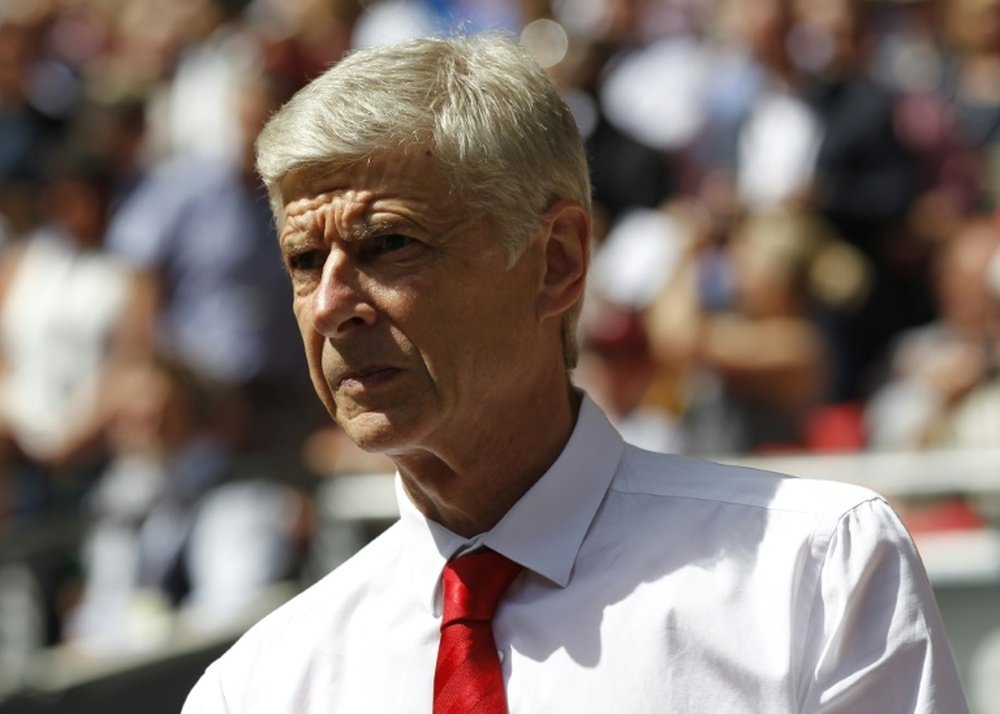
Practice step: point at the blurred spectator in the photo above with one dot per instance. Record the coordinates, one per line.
(69, 316)
(301, 38)
(644, 106)
(866, 182)
(971, 83)
(759, 135)
(118, 128)
(757, 367)
(943, 388)
(865, 176)
(794, 120)
(169, 522)
(911, 57)
(618, 369)
(164, 458)
(192, 113)
(39, 87)
(201, 230)
(24, 129)
(246, 535)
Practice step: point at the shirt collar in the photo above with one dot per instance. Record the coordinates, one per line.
(543, 531)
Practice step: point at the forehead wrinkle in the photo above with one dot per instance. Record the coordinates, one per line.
(305, 204)
(300, 213)
(296, 223)
(345, 211)
(334, 215)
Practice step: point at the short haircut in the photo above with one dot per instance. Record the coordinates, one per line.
(506, 141)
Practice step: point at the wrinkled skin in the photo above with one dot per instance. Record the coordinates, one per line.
(422, 343)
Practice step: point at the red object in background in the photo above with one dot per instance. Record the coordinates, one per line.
(948, 514)
(835, 427)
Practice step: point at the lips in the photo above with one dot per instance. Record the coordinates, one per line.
(367, 377)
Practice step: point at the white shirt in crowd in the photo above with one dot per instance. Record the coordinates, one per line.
(653, 583)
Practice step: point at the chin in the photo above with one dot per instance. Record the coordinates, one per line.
(376, 433)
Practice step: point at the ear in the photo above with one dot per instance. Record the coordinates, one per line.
(565, 247)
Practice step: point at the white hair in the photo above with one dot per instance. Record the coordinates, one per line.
(507, 142)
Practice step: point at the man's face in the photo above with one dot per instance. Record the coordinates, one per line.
(414, 328)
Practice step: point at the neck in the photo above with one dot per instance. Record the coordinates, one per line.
(469, 485)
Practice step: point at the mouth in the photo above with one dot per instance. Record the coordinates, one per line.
(366, 378)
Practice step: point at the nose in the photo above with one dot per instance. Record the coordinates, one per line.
(340, 303)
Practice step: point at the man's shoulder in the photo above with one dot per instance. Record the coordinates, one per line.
(674, 476)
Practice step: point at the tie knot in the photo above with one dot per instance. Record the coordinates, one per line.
(474, 584)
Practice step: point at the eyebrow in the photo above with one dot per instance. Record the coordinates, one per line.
(302, 230)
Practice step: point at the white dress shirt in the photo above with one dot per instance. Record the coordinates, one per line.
(652, 583)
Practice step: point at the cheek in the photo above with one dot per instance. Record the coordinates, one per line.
(444, 332)
(313, 344)
(309, 336)
(488, 331)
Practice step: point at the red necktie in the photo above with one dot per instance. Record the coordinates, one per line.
(468, 678)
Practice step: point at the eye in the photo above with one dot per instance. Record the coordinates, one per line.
(393, 243)
(305, 261)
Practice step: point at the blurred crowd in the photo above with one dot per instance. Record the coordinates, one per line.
(798, 249)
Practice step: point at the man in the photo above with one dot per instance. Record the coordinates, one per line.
(433, 206)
